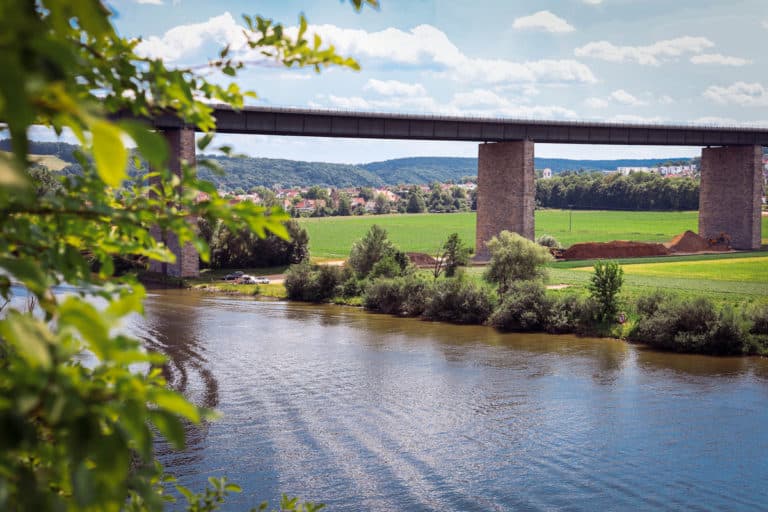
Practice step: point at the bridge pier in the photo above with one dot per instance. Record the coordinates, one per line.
(181, 147)
(506, 192)
(730, 194)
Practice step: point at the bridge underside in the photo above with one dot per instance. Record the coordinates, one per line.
(730, 196)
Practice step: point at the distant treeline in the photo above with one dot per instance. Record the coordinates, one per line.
(637, 191)
(246, 173)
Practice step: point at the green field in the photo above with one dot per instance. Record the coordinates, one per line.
(739, 278)
(332, 237)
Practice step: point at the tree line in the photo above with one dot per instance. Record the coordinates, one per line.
(598, 191)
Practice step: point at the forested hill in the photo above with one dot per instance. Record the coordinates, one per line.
(249, 172)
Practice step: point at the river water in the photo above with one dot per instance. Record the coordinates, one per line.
(364, 411)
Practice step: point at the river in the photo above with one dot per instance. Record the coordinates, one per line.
(364, 411)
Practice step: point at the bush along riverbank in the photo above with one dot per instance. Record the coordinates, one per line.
(512, 298)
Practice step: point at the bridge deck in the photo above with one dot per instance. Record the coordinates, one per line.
(372, 125)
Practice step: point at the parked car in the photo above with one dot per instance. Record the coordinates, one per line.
(234, 275)
(262, 280)
(246, 279)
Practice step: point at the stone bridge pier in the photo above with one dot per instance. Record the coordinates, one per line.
(731, 193)
(506, 192)
(181, 145)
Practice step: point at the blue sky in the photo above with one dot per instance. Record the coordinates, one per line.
(616, 60)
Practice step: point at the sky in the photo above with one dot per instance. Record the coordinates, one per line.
(654, 61)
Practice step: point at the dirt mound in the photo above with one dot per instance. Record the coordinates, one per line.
(420, 259)
(615, 249)
(688, 242)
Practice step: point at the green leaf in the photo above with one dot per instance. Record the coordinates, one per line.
(151, 145)
(109, 153)
(29, 337)
(170, 426)
(177, 404)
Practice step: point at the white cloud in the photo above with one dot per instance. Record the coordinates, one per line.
(543, 20)
(151, 2)
(596, 103)
(479, 102)
(635, 119)
(728, 121)
(650, 55)
(288, 75)
(187, 41)
(666, 100)
(716, 58)
(394, 88)
(765, 24)
(593, 2)
(625, 98)
(423, 46)
(739, 93)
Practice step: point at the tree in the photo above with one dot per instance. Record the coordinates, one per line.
(605, 285)
(367, 251)
(75, 436)
(381, 204)
(455, 254)
(345, 206)
(514, 258)
(366, 193)
(416, 202)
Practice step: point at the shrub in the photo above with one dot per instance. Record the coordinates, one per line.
(352, 287)
(401, 296)
(604, 287)
(388, 266)
(757, 319)
(525, 308)
(514, 258)
(572, 314)
(548, 241)
(416, 292)
(694, 326)
(459, 301)
(384, 295)
(312, 283)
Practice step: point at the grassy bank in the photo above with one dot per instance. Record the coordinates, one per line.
(332, 237)
(738, 279)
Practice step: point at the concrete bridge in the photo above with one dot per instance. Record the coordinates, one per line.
(731, 161)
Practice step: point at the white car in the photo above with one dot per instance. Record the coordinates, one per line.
(262, 280)
(246, 279)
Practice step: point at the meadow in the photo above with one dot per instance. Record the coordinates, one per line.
(332, 237)
(734, 278)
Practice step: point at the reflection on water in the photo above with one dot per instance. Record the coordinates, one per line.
(365, 411)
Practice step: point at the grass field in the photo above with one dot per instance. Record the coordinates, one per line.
(737, 279)
(740, 278)
(332, 237)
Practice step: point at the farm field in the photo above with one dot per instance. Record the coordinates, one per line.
(332, 237)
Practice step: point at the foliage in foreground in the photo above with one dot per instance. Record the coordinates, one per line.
(80, 402)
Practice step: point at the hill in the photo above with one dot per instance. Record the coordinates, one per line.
(249, 172)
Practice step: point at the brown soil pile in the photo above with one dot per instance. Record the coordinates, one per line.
(420, 259)
(688, 242)
(615, 249)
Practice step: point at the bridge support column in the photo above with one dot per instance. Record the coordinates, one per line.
(730, 194)
(181, 146)
(506, 193)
